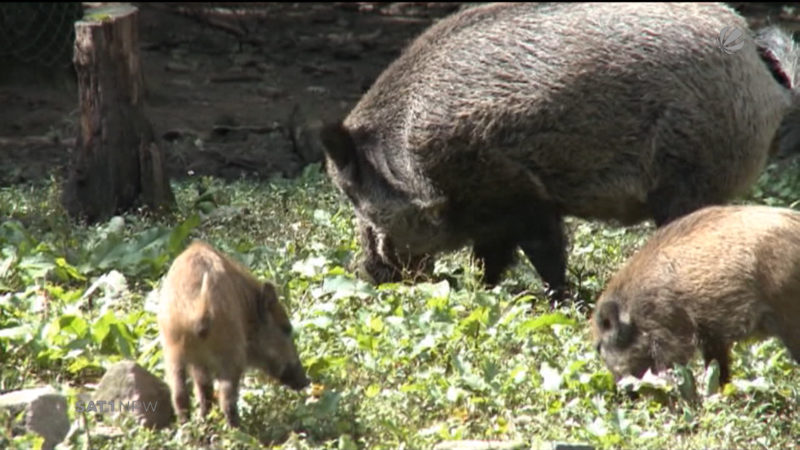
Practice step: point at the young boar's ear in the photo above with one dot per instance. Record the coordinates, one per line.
(607, 315)
(339, 147)
(611, 320)
(267, 300)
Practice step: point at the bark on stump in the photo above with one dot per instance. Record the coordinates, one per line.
(116, 160)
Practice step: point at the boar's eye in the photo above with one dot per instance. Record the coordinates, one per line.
(286, 329)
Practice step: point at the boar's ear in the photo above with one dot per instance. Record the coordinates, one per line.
(607, 316)
(273, 308)
(266, 301)
(625, 330)
(611, 320)
(339, 147)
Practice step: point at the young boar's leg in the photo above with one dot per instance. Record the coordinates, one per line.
(203, 388)
(714, 348)
(229, 396)
(546, 249)
(496, 257)
(176, 379)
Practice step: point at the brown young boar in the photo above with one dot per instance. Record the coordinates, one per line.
(503, 118)
(718, 275)
(216, 320)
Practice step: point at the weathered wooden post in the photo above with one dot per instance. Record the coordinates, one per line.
(116, 160)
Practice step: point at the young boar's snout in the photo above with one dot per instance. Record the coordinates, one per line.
(294, 376)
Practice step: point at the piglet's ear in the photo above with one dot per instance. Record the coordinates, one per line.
(266, 301)
(610, 319)
(607, 315)
(268, 293)
(338, 145)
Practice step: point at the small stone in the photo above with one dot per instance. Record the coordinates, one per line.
(46, 412)
(130, 389)
(479, 445)
(566, 446)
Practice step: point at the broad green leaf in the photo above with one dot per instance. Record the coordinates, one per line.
(179, 235)
(544, 321)
(20, 332)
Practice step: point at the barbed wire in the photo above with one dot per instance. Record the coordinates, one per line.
(39, 33)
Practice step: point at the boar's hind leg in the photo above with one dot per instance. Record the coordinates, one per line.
(175, 371)
(203, 388)
(229, 396)
(546, 249)
(496, 257)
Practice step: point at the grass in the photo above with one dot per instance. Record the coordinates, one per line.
(395, 366)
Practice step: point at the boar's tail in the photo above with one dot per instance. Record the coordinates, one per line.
(203, 322)
(782, 56)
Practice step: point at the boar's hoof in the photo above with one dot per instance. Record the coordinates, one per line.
(556, 295)
(376, 272)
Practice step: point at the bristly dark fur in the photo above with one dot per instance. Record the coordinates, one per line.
(501, 119)
(707, 280)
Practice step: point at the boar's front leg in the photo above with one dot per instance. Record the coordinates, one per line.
(672, 201)
(790, 336)
(203, 387)
(496, 257)
(546, 249)
(229, 395)
(715, 348)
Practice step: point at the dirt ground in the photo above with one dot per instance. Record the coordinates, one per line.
(236, 92)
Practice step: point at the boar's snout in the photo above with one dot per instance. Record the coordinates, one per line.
(295, 377)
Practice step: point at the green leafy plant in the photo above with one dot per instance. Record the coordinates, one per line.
(393, 366)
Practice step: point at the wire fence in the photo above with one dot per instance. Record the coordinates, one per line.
(39, 34)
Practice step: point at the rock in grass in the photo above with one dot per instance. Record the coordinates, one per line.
(479, 445)
(566, 446)
(127, 388)
(46, 412)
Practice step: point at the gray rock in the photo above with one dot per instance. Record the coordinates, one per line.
(479, 445)
(566, 446)
(46, 412)
(127, 388)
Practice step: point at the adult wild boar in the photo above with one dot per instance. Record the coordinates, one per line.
(217, 319)
(715, 276)
(503, 118)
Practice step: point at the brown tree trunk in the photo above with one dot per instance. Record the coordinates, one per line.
(116, 161)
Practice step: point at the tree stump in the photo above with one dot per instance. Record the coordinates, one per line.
(116, 161)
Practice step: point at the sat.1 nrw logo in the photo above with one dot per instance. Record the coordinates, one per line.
(731, 39)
